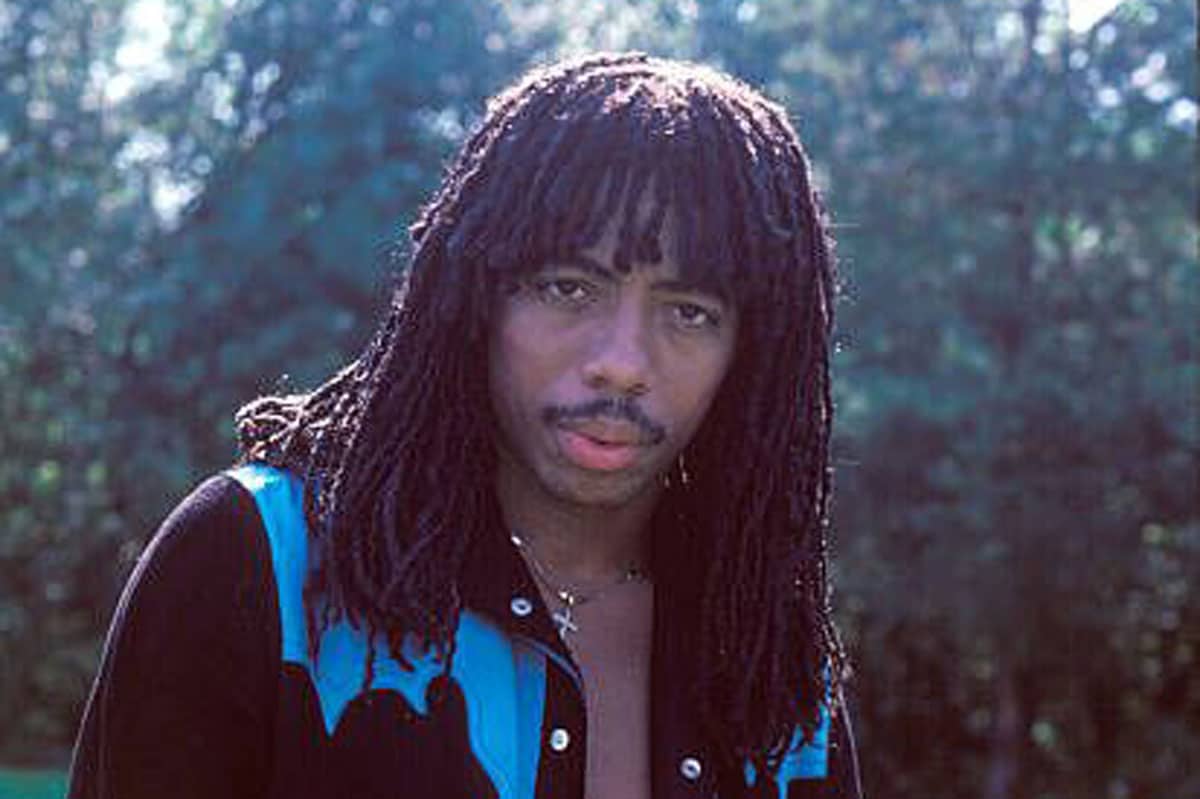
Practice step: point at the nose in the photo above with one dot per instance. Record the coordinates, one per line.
(619, 360)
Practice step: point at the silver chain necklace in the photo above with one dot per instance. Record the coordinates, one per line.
(568, 597)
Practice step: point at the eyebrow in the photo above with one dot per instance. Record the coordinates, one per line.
(581, 261)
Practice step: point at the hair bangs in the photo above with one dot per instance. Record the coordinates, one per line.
(664, 175)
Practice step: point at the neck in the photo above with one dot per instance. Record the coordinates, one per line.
(579, 543)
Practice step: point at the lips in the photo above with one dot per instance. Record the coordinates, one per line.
(600, 446)
(609, 432)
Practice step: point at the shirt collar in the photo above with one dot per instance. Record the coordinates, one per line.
(497, 583)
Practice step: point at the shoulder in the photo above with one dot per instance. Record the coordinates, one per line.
(209, 563)
(218, 504)
(226, 520)
(201, 595)
(185, 689)
(216, 525)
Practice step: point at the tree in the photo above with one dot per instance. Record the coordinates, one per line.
(1017, 375)
(1018, 460)
(131, 326)
(65, 217)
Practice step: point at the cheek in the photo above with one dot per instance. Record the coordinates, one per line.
(694, 387)
(503, 377)
(521, 367)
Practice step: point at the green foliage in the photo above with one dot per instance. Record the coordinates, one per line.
(65, 221)
(1018, 383)
(130, 328)
(1017, 461)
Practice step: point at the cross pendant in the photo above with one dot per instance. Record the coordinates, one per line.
(564, 622)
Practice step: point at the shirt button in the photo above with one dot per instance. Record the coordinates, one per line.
(690, 768)
(520, 606)
(560, 739)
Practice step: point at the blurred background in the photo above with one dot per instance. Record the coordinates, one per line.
(195, 200)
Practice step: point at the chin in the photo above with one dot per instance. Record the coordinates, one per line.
(612, 491)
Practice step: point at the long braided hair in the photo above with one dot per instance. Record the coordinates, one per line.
(397, 450)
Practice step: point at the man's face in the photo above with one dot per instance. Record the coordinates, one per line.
(598, 380)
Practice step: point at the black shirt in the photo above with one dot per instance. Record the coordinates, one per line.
(207, 688)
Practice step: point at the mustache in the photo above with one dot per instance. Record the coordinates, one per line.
(621, 409)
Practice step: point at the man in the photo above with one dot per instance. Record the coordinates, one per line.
(560, 531)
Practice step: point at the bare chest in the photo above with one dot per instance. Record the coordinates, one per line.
(612, 647)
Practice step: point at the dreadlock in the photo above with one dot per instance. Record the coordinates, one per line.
(396, 451)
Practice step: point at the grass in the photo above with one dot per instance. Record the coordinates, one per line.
(32, 784)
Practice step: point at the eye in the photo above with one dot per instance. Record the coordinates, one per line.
(566, 290)
(693, 316)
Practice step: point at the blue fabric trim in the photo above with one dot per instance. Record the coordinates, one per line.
(278, 494)
(807, 760)
(504, 686)
(802, 761)
(503, 680)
